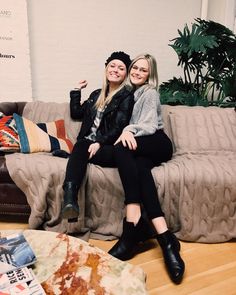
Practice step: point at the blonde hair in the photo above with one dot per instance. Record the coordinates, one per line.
(152, 81)
(104, 98)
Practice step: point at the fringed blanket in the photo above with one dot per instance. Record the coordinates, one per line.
(197, 188)
(40, 176)
(198, 196)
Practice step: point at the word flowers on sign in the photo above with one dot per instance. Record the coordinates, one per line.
(7, 55)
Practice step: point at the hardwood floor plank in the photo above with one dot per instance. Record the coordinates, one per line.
(222, 287)
(12, 225)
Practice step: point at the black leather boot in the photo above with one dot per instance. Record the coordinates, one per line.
(70, 208)
(125, 248)
(170, 248)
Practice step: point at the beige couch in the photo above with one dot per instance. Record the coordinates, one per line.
(197, 188)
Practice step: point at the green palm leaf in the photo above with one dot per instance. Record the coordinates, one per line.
(193, 42)
(207, 54)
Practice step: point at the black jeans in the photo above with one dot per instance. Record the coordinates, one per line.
(134, 167)
(135, 170)
(79, 158)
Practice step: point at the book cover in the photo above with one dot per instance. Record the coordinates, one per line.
(15, 252)
(30, 287)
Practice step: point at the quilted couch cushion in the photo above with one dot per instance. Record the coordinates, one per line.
(203, 130)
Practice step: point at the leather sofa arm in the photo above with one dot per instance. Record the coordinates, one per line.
(8, 108)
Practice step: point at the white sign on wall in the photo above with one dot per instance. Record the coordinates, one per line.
(15, 73)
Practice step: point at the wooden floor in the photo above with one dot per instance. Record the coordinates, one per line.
(210, 268)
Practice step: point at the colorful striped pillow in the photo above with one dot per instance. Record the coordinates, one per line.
(9, 140)
(42, 137)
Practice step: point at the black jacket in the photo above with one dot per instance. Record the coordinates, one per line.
(116, 115)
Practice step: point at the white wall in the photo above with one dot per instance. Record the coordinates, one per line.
(222, 11)
(70, 40)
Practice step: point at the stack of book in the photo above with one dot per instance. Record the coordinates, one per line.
(16, 276)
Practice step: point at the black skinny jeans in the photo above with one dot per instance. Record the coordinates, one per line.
(134, 167)
(135, 170)
(79, 158)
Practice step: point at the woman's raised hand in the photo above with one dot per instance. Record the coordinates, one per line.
(82, 84)
(127, 138)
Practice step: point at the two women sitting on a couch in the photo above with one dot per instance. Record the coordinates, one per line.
(116, 133)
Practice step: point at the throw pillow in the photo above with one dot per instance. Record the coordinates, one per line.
(42, 137)
(203, 129)
(9, 140)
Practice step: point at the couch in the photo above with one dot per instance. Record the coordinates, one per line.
(13, 202)
(197, 187)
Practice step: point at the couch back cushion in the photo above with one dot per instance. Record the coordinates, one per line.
(202, 129)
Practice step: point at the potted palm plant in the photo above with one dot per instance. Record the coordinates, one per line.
(207, 54)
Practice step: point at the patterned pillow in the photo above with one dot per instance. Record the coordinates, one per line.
(42, 137)
(9, 140)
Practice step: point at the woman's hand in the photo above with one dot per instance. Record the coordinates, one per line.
(127, 138)
(82, 84)
(93, 148)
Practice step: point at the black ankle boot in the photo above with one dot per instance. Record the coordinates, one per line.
(125, 248)
(70, 208)
(170, 248)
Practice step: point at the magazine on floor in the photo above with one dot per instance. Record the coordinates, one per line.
(15, 252)
(20, 281)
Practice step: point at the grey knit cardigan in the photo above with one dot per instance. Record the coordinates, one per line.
(146, 116)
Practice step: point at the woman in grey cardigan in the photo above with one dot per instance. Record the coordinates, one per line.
(141, 146)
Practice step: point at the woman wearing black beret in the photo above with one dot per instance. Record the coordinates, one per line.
(104, 115)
